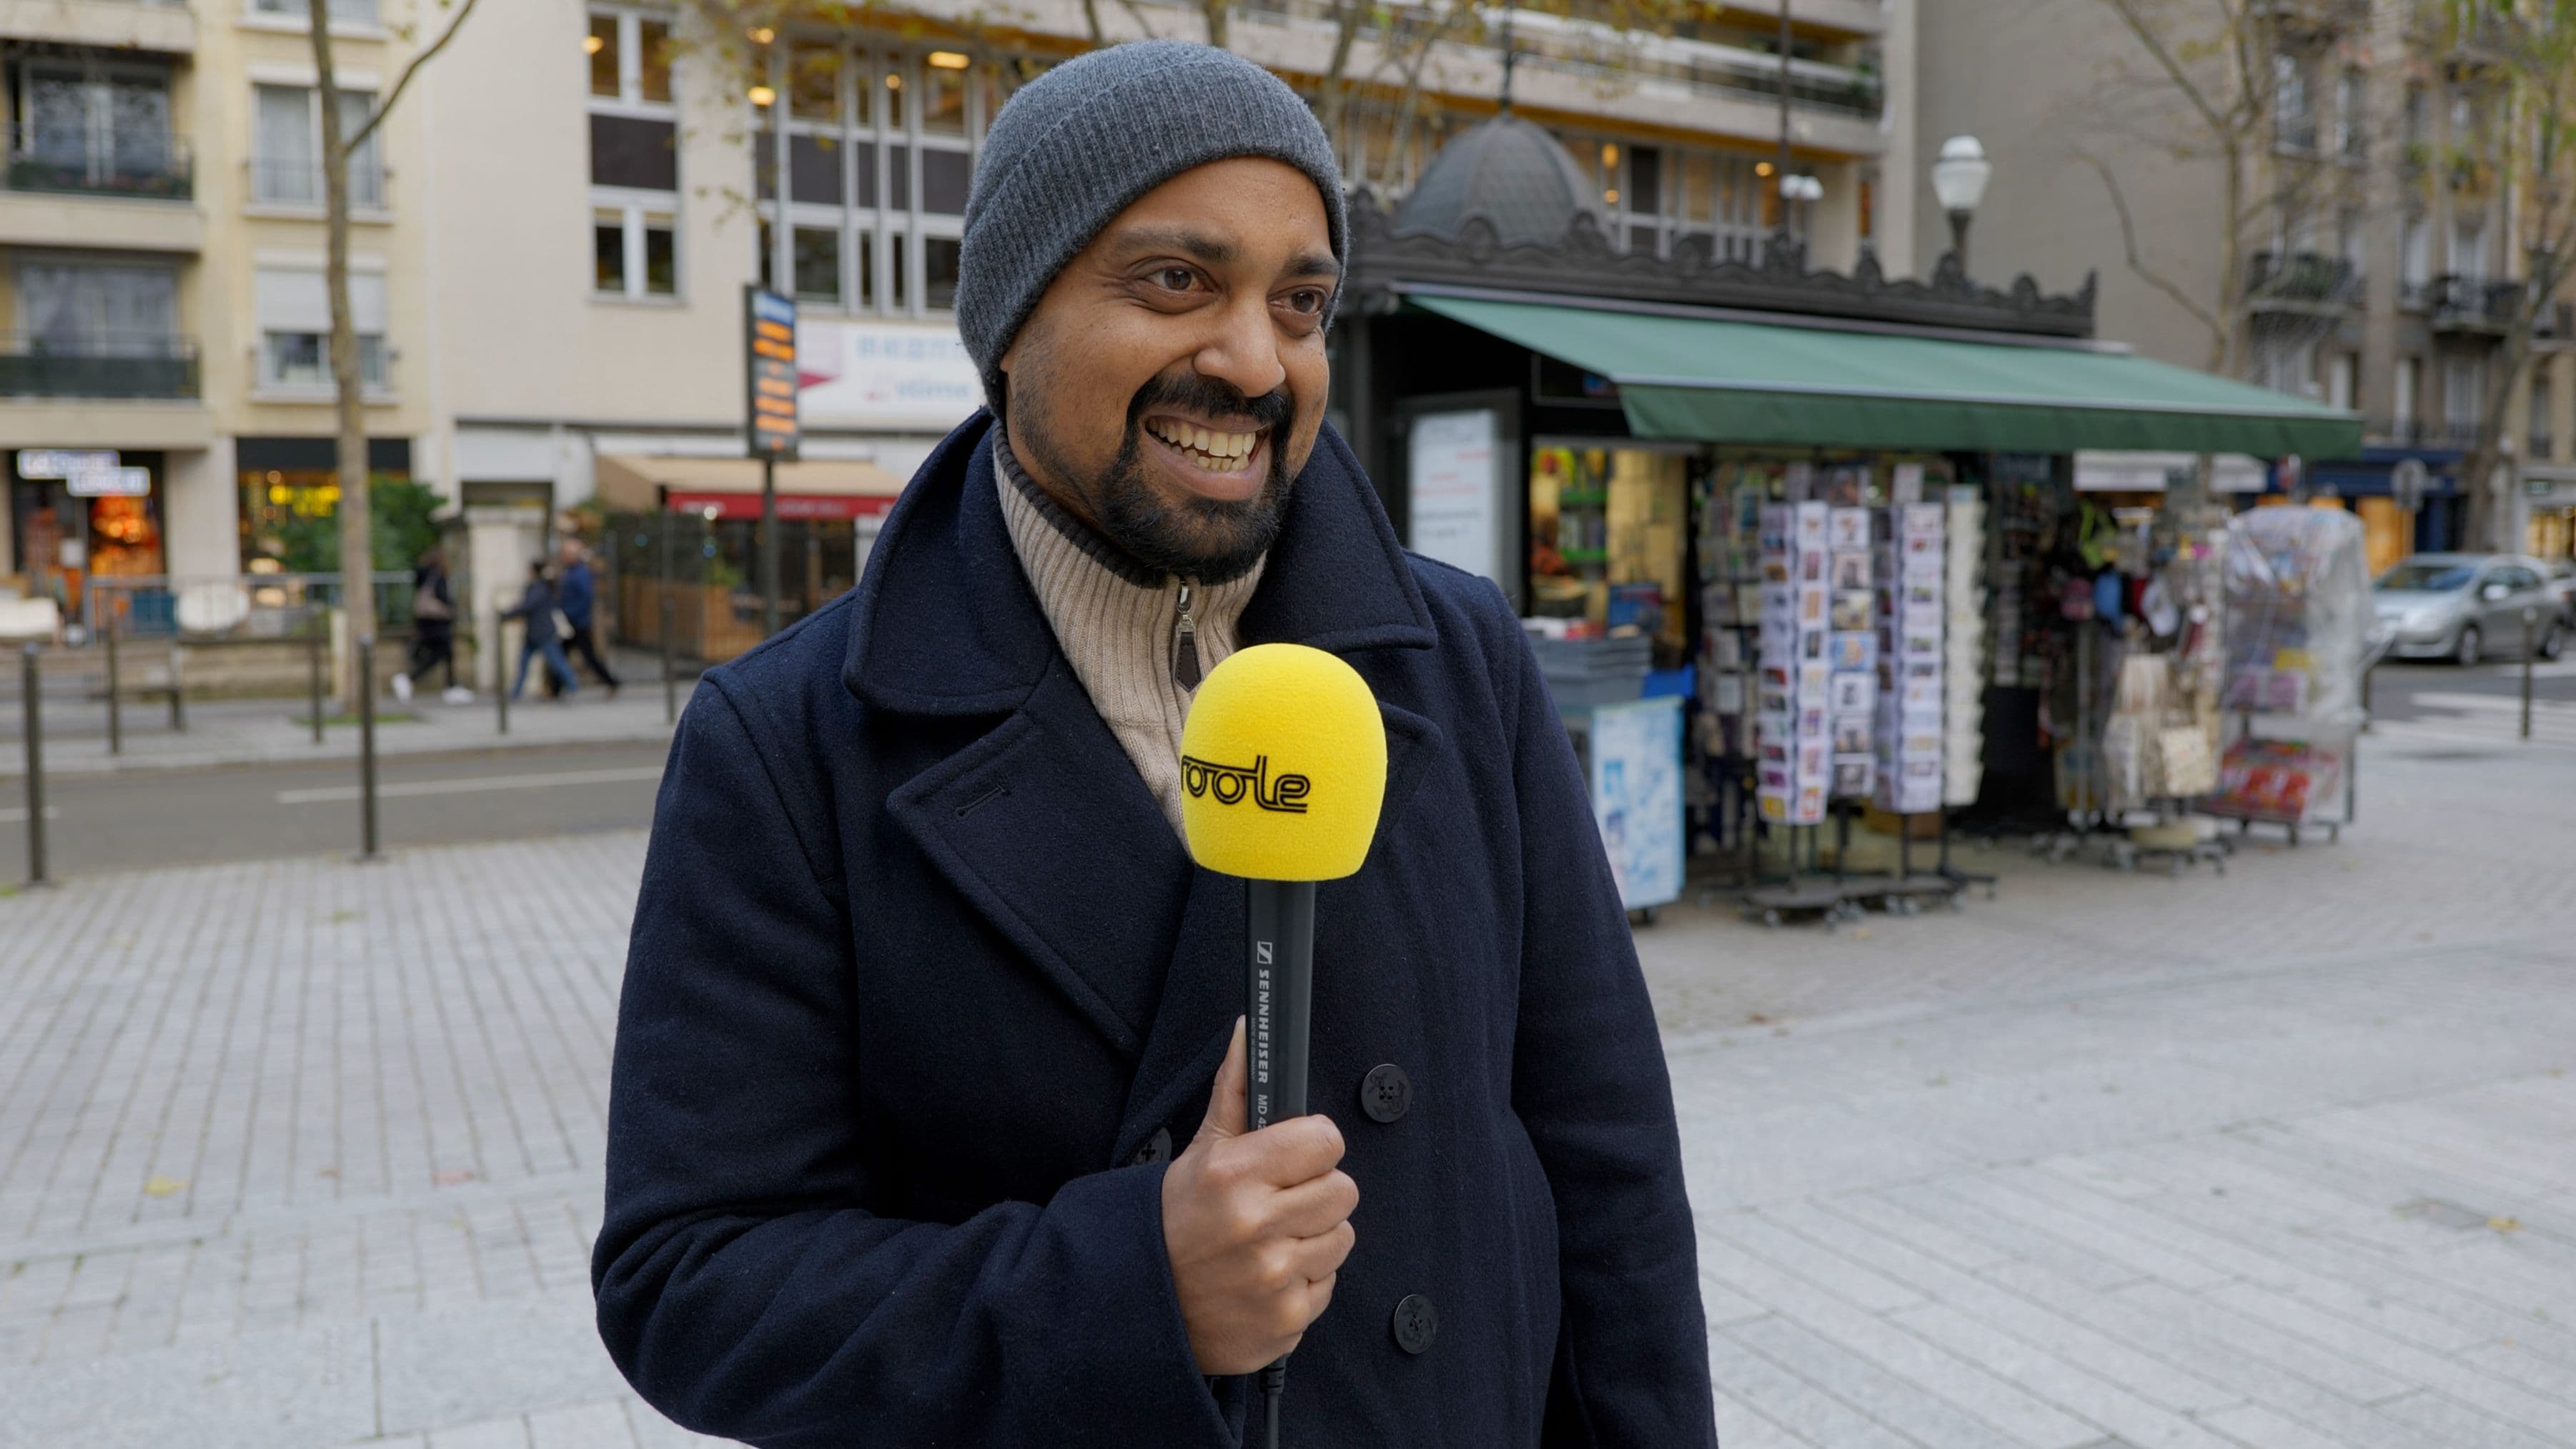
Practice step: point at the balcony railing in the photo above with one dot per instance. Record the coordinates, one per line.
(2305, 280)
(2539, 444)
(2474, 304)
(98, 161)
(299, 183)
(1607, 55)
(99, 366)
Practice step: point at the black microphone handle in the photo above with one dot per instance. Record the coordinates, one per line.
(1279, 996)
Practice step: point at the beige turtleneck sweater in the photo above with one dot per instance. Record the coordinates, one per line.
(1118, 624)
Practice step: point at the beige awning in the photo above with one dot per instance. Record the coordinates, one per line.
(628, 481)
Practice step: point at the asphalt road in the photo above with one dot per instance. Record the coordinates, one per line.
(144, 818)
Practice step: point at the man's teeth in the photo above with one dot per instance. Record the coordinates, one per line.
(1217, 452)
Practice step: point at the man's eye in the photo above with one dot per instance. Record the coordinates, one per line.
(1307, 302)
(1178, 279)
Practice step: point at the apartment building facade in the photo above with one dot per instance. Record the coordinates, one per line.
(2381, 253)
(161, 261)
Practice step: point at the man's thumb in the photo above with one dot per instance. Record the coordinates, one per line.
(1225, 1113)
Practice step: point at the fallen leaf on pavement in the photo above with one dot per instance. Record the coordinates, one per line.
(157, 1186)
(451, 1177)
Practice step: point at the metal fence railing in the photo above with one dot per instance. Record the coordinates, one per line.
(97, 159)
(245, 606)
(99, 365)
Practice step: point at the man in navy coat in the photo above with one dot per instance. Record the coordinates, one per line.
(926, 1124)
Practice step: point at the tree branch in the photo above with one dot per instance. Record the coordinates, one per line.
(349, 147)
(2166, 61)
(2137, 264)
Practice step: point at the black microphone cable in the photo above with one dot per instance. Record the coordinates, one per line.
(1274, 1386)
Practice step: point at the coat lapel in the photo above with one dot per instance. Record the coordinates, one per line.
(1042, 823)
(1203, 988)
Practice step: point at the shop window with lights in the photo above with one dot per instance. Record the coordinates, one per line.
(634, 155)
(862, 159)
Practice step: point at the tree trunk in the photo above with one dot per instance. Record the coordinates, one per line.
(1219, 21)
(357, 553)
(2490, 508)
(2231, 267)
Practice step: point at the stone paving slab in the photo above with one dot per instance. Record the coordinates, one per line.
(305, 1154)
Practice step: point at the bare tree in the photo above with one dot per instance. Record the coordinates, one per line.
(2527, 49)
(2214, 83)
(357, 552)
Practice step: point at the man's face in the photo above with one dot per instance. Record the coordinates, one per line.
(1171, 380)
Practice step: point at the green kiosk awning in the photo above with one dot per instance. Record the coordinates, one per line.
(1716, 380)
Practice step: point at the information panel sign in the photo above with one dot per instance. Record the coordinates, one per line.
(769, 354)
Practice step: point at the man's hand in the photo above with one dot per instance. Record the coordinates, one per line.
(1257, 1224)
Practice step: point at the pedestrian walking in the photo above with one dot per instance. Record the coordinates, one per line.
(544, 635)
(433, 629)
(926, 1123)
(574, 592)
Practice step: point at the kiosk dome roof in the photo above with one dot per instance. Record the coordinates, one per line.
(1507, 170)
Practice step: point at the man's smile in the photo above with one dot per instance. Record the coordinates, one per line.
(1214, 462)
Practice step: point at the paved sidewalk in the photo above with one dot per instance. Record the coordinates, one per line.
(279, 731)
(304, 1155)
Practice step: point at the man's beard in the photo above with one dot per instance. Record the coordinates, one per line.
(1205, 540)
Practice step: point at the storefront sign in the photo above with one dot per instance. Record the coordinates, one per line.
(886, 374)
(769, 358)
(1457, 491)
(60, 463)
(110, 482)
(811, 507)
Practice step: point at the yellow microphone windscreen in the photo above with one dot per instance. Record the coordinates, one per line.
(1283, 766)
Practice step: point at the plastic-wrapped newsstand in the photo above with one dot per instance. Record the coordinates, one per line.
(2298, 624)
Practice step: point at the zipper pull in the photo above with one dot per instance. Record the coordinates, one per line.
(1185, 644)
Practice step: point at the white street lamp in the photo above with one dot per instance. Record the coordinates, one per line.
(1959, 183)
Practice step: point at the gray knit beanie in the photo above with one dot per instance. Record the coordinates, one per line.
(1082, 142)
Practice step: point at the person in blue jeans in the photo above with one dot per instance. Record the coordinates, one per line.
(537, 608)
(574, 590)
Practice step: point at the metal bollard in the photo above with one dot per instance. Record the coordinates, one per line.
(501, 672)
(31, 679)
(115, 713)
(2530, 648)
(670, 667)
(313, 667)
(178, 693)
(367, 747)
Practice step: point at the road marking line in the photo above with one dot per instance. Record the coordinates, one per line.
(339, 794)
(17, 814)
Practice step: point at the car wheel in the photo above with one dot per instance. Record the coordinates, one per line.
(2470, 649)
(2553, 643)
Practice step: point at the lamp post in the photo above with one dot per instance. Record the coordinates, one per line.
(1959, 183)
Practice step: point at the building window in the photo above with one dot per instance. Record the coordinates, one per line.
(634, 252)
(634, 156)
(2294, 124)
(343, 12)
(95, 127)
(84, 310)
(817, 257)
(2340, 374)
(293, 309)
(2469, 249)
(2352, 134)
(2415, 263)
(2410, 382)
(286, 147)
(2539, 419)
(865, 148)
(300, 361)
(2463, 396)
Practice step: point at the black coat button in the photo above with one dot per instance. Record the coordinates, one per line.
(1156, 1148)
(1416, 1323)
(1386, 1092)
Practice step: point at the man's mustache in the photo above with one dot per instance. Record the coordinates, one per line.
(1210, 397)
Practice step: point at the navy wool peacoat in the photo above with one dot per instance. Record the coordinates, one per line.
(924, 991)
